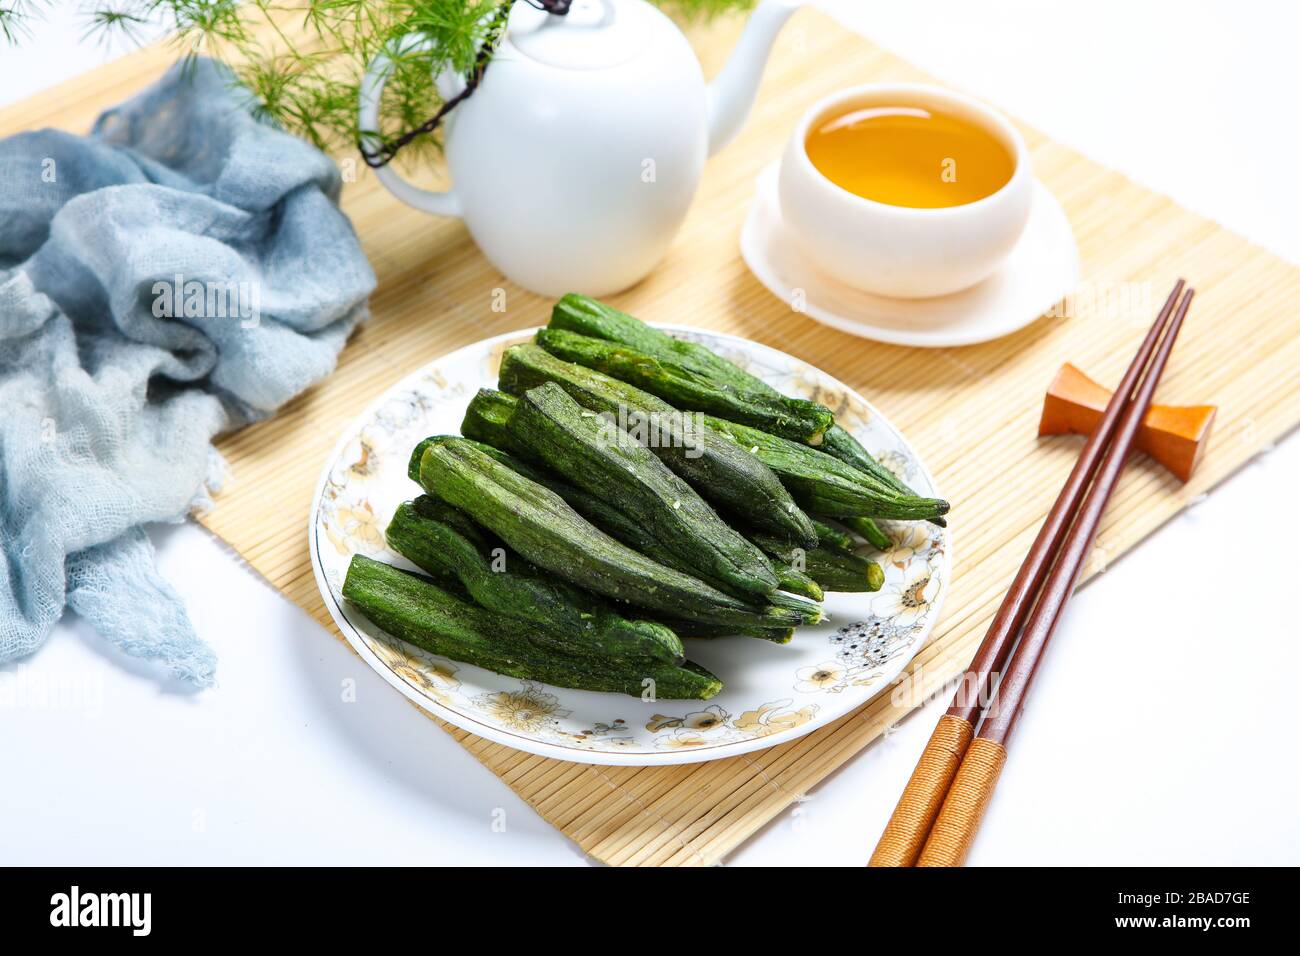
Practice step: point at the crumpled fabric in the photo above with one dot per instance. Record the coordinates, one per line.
(182, 271)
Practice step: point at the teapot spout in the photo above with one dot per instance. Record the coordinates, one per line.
(731, 94)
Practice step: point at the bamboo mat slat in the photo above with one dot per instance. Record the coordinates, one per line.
(970, 412)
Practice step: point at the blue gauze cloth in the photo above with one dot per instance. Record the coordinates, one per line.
(108, 406)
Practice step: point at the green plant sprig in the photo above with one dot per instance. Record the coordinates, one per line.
(301, 61)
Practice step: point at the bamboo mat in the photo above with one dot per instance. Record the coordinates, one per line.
(970, 412)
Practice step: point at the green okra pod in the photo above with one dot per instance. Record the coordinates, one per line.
(414, 609)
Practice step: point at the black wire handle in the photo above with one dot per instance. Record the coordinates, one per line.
(383, 154)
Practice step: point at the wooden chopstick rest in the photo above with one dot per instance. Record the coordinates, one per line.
(1174, 435)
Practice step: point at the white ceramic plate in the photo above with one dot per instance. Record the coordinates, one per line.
(1040, 271)
(771, 693)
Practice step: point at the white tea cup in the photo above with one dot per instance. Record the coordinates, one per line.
(902, 251)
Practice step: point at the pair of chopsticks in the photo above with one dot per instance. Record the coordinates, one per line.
(941, 807)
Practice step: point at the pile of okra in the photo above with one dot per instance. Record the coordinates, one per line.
(623, 490)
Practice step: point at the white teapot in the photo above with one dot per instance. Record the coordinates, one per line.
(576, 158)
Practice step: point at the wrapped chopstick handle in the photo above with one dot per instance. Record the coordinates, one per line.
(959, 818)
(910, 823)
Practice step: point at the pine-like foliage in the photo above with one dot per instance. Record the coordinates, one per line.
(303, 71)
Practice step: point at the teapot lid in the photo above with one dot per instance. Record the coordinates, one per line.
(593, 35)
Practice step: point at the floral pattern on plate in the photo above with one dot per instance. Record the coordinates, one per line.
(772, 693)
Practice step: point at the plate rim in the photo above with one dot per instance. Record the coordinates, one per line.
(542, 748)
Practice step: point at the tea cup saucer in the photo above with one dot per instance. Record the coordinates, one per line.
(1041, 269)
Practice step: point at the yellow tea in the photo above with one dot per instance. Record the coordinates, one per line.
(908, 156)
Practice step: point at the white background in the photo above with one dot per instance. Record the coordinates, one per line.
(1185, 756)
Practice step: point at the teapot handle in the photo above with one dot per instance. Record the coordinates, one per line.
(372, 88)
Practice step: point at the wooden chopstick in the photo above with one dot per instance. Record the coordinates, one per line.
(963, 807)
(911, 822)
